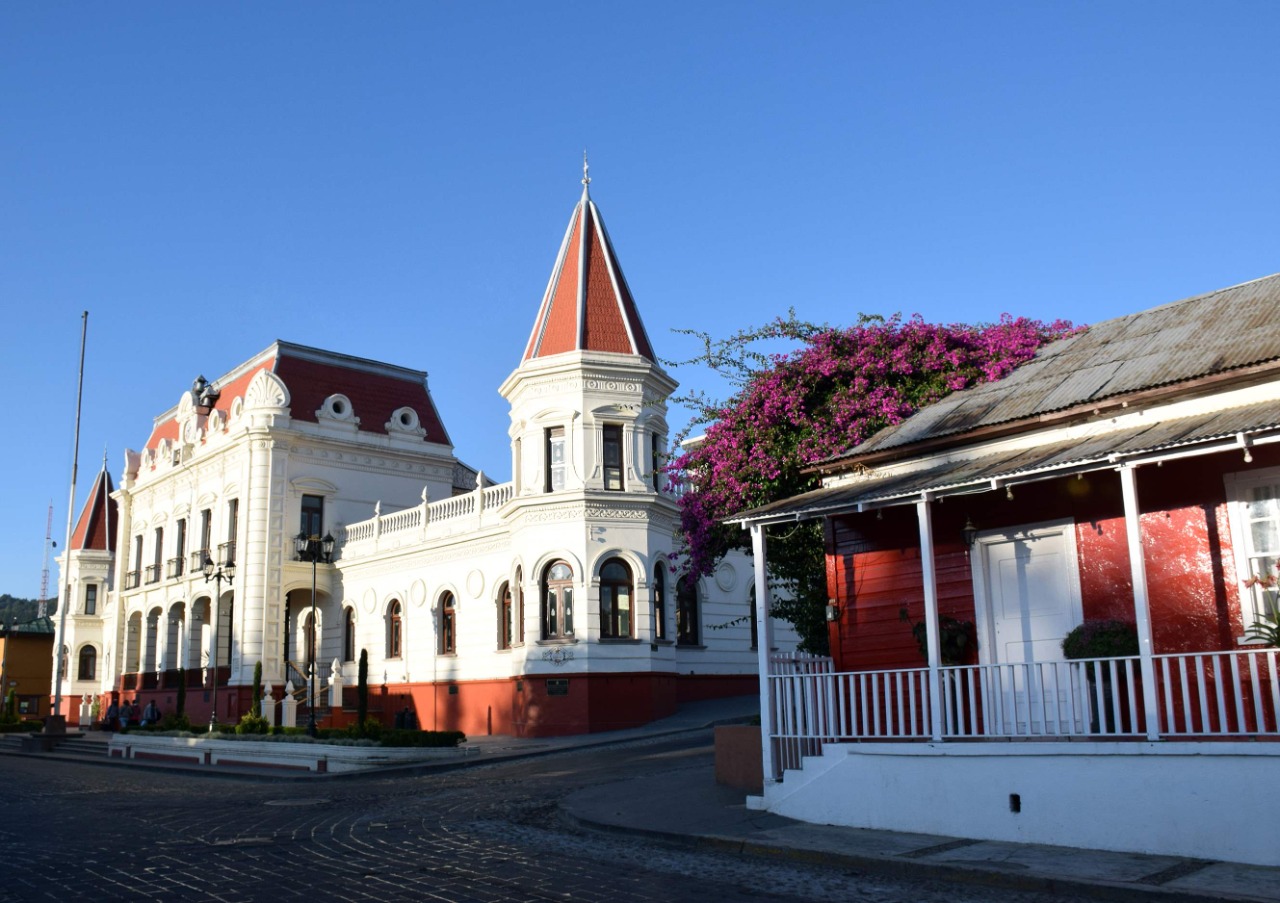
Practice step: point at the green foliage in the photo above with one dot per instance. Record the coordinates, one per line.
(368, 729)
(10, 713)
(21, 610)
(1266, 630)
(362, 688)
(257, 687)
(253, 723)
(957, 639)
(446, 739)
(18, 727)
(177, 722)
(1107, 638)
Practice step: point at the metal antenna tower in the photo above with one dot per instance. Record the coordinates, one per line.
(44, 574)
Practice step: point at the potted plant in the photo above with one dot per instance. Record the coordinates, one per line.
(1267, 628)
(1101, 638)
(957, 639)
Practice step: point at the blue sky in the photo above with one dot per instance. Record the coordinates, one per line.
(392, 180)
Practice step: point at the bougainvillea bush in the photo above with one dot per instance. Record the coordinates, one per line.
(791, 410)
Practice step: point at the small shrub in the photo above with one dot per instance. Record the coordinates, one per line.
(174, 723)
(434, 739)
(253, 723)
(1101, 639)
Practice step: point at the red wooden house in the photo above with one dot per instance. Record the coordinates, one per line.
(1128, 473)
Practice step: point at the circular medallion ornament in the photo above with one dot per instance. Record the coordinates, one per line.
(370, 601)
(418, 593)
(475, 584)
(726, 576)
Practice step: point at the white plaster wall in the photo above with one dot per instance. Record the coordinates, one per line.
(1180, 799)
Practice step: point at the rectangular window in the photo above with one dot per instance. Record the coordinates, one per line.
(1256, 539)
(134, 577)
(228, 548)
(91, 599)
(153, 569)
(313, 516)
(555, 459)
(655, 461)
(613, 456)
(180, 550)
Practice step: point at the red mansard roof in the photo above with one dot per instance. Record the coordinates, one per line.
(374, 389)
(587, 305)
(96, 528)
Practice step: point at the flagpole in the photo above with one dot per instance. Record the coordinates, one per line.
(57, 723)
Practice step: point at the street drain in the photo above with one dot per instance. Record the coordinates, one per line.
(295, 802)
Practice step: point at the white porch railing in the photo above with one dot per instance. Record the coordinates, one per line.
(1213, 694)
(420, 521)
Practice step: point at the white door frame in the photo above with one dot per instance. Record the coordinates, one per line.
(984, 619)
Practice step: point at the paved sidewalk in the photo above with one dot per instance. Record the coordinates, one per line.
(685, 806)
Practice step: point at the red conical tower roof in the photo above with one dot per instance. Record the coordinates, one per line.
(96, 527)
(588, 306)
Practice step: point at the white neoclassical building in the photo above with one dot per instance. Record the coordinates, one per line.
(547, 605)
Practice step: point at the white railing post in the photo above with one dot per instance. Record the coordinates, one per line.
(930, 575)
(1141, 604)
(764, 642)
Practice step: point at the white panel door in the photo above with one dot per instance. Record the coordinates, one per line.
(1029, 598)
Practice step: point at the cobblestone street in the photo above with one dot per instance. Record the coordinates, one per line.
(485, 833)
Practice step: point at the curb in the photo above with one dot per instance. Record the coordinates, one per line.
(914, 868)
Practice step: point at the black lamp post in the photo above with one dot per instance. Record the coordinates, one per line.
(226, 570)
(316, 550)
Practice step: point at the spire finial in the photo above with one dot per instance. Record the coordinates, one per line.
(586, 179)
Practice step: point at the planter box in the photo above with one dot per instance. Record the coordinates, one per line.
(739, 759)
(299, 756)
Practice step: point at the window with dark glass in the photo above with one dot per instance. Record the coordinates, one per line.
(91, 599)
(348, 635)
(393, 630)
(555, 459)
(615, 600)
(228, 548)
(612, 456)
(206, 536)
(687, 611)
(655, 460)
(88, 664)
(751, 616)
(153, 569)
(557, 602)
(519, 605)
(660, 602)
(504, 617)
(313, 515)
(177, 562)
(448, 625)
(134, 577)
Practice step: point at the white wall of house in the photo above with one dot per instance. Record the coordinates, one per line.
(1164, 798)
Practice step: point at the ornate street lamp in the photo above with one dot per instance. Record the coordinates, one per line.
(316, 550)
(225, 570)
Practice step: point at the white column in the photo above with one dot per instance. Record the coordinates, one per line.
(764, 642)
(930, 576)
(1141, 605)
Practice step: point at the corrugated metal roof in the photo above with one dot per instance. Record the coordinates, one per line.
(1020, 465)
(1197, 337)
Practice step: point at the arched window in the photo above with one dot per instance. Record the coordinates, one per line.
(448, 633)
(504, 617)
(616, 620)
(88, 664)
(557, 602)
(349, 635)
(687, 610)
(519, 604)
(393, 630)
(660, 601)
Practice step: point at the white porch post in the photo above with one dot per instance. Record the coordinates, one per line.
(1141, 605)
(930, 576)
(764, 642)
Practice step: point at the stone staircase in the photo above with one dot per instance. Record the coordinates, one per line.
(89, 745)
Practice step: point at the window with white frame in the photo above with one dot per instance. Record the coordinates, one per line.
(1255, 525)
